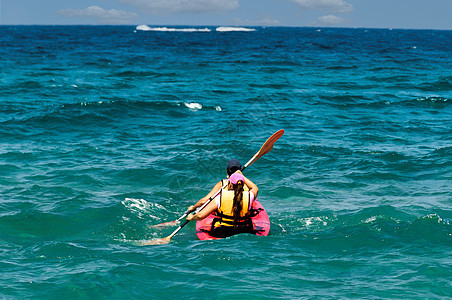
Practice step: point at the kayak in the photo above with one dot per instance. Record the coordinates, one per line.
(261, 223)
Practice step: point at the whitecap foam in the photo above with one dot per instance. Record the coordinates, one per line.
(141, 208)
(436, 217)
(371, 219)
(193, 105)
(166, 29)
(136, 204)
(143, 28)
(227, 29)
(314, 221)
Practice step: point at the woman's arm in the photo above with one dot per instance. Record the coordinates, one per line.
(253, 188)
(210, 208)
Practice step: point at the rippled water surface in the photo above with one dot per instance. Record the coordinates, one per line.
(107, 131)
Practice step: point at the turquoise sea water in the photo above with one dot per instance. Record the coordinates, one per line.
(106, 131)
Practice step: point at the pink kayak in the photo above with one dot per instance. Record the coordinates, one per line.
(261, 223)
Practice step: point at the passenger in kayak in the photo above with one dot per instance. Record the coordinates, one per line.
(231, 207)
(233, 166)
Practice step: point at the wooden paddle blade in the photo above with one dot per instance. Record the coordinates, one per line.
(267, 147)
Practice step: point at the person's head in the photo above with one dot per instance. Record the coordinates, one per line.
(233, 166)
(237, 179)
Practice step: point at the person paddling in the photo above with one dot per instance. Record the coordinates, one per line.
(264, 224)
(231, 207)
(233, 166)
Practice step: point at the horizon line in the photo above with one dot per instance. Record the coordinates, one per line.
(262, 26)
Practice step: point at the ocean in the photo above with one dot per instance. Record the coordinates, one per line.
(106, 131)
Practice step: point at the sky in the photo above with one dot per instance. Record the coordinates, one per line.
(405, 14)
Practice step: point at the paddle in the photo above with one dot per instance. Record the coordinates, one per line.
(267, 147)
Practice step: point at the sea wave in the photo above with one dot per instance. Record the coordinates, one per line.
(80, 118)
(193, 106)
(192, 29)
(141, 208)
(370, 225)
(427, 102)
(368, 100)
(98, 112)
(166, 29)
(142, 74)
(229, 29)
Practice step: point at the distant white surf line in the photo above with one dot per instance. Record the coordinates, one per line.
(226, 29)
(166, 29)
(219, 29)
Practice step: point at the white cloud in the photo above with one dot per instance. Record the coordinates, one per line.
(331, 20)
(102, 16)
(183, 6)
(326, 5)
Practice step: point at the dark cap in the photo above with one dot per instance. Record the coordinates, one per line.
(233, 166)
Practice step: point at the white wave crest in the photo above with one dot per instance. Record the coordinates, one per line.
(166, 29)
(193, 106)
(227, 29)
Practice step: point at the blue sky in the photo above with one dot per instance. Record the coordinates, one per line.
(416, 14)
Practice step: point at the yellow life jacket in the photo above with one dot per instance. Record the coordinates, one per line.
(225, 211)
